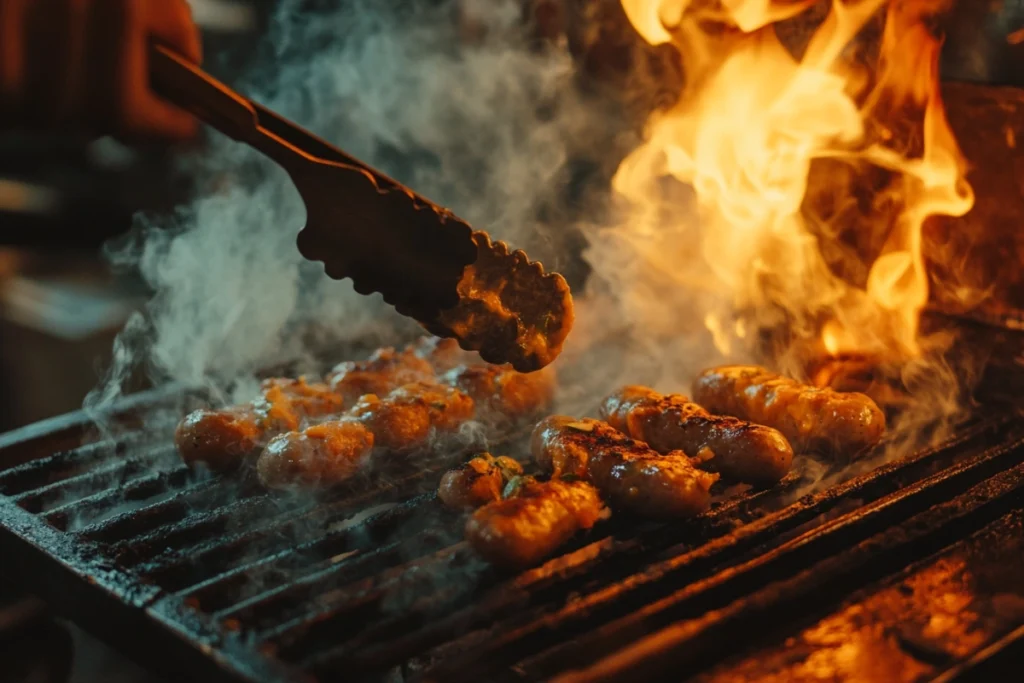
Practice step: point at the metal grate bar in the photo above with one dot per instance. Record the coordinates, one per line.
(101, 506)
(713, 624)
(342, 612)
(60, 466)
(223, 590)
(991, 663)
(399, 637)
(617, 600)
(327, 626)
(343, 583)
(282, 535)
(112, 474)
(530, 599)
(167, 550)
(134, 522)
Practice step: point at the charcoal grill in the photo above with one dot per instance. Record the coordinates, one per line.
(212, 579)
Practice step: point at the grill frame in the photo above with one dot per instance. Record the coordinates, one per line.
(92, 574)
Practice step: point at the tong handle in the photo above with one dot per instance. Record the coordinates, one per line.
(186, 85)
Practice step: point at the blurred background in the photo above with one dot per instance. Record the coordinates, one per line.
(60, 304)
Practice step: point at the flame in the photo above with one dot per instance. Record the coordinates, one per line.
(750, 131)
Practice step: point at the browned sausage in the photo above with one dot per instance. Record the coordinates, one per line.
(812, 419)
(523, 529)
(405, 419)
(630, 474)
(478, 481)
(321, 455)
(222, 438)
(501, 393)
(382, 372)
(218, 438)
(738, 449)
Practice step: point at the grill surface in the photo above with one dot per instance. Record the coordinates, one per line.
(211, 578)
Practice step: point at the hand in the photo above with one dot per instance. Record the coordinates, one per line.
(83, 65)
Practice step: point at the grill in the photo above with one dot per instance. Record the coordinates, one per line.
(214, 579)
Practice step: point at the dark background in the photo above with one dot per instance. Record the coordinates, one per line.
(61, 199)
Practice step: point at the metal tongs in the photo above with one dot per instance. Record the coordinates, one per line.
(364, 225)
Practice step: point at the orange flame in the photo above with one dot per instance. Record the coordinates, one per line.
(751, 123)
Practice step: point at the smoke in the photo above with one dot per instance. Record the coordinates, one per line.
(482, 128)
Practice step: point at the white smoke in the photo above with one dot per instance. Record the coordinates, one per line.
(459, 122)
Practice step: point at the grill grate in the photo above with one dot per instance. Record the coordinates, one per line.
(215, 579)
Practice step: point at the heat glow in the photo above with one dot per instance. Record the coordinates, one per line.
(761, 135)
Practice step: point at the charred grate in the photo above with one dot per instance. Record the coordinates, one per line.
(215, 579)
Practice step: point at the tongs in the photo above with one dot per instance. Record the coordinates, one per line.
(425, 261)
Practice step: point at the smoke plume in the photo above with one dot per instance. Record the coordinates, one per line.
(479, 127)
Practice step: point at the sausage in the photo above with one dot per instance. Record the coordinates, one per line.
(738, 449)
(812, 419)
(320, 455)
(501, 393)
(630, 474)
(222, 438)
(409, 416)
(403, 421)
(379, 374)
(478, 481)
(523, 529)
(218, 438)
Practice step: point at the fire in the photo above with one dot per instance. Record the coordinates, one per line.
(758, 134)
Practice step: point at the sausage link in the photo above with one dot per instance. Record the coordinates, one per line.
(321, 455)
(379, 374)
(409, 416)
(523, 529)
(738, 449)
(478, 481)
(813, 419)
(330, 452)
(501, 393)
(630, 474)
(222, 438)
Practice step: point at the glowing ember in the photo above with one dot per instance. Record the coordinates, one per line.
(745, 132)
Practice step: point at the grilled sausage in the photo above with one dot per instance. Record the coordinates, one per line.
(382, 372)
(405, 419)
(218, 438)
(812, 419)
(523, 529)
(738, 449)
(630, 474)
(321, 455)
(502, 393)
(478, 481)
(222, 438)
